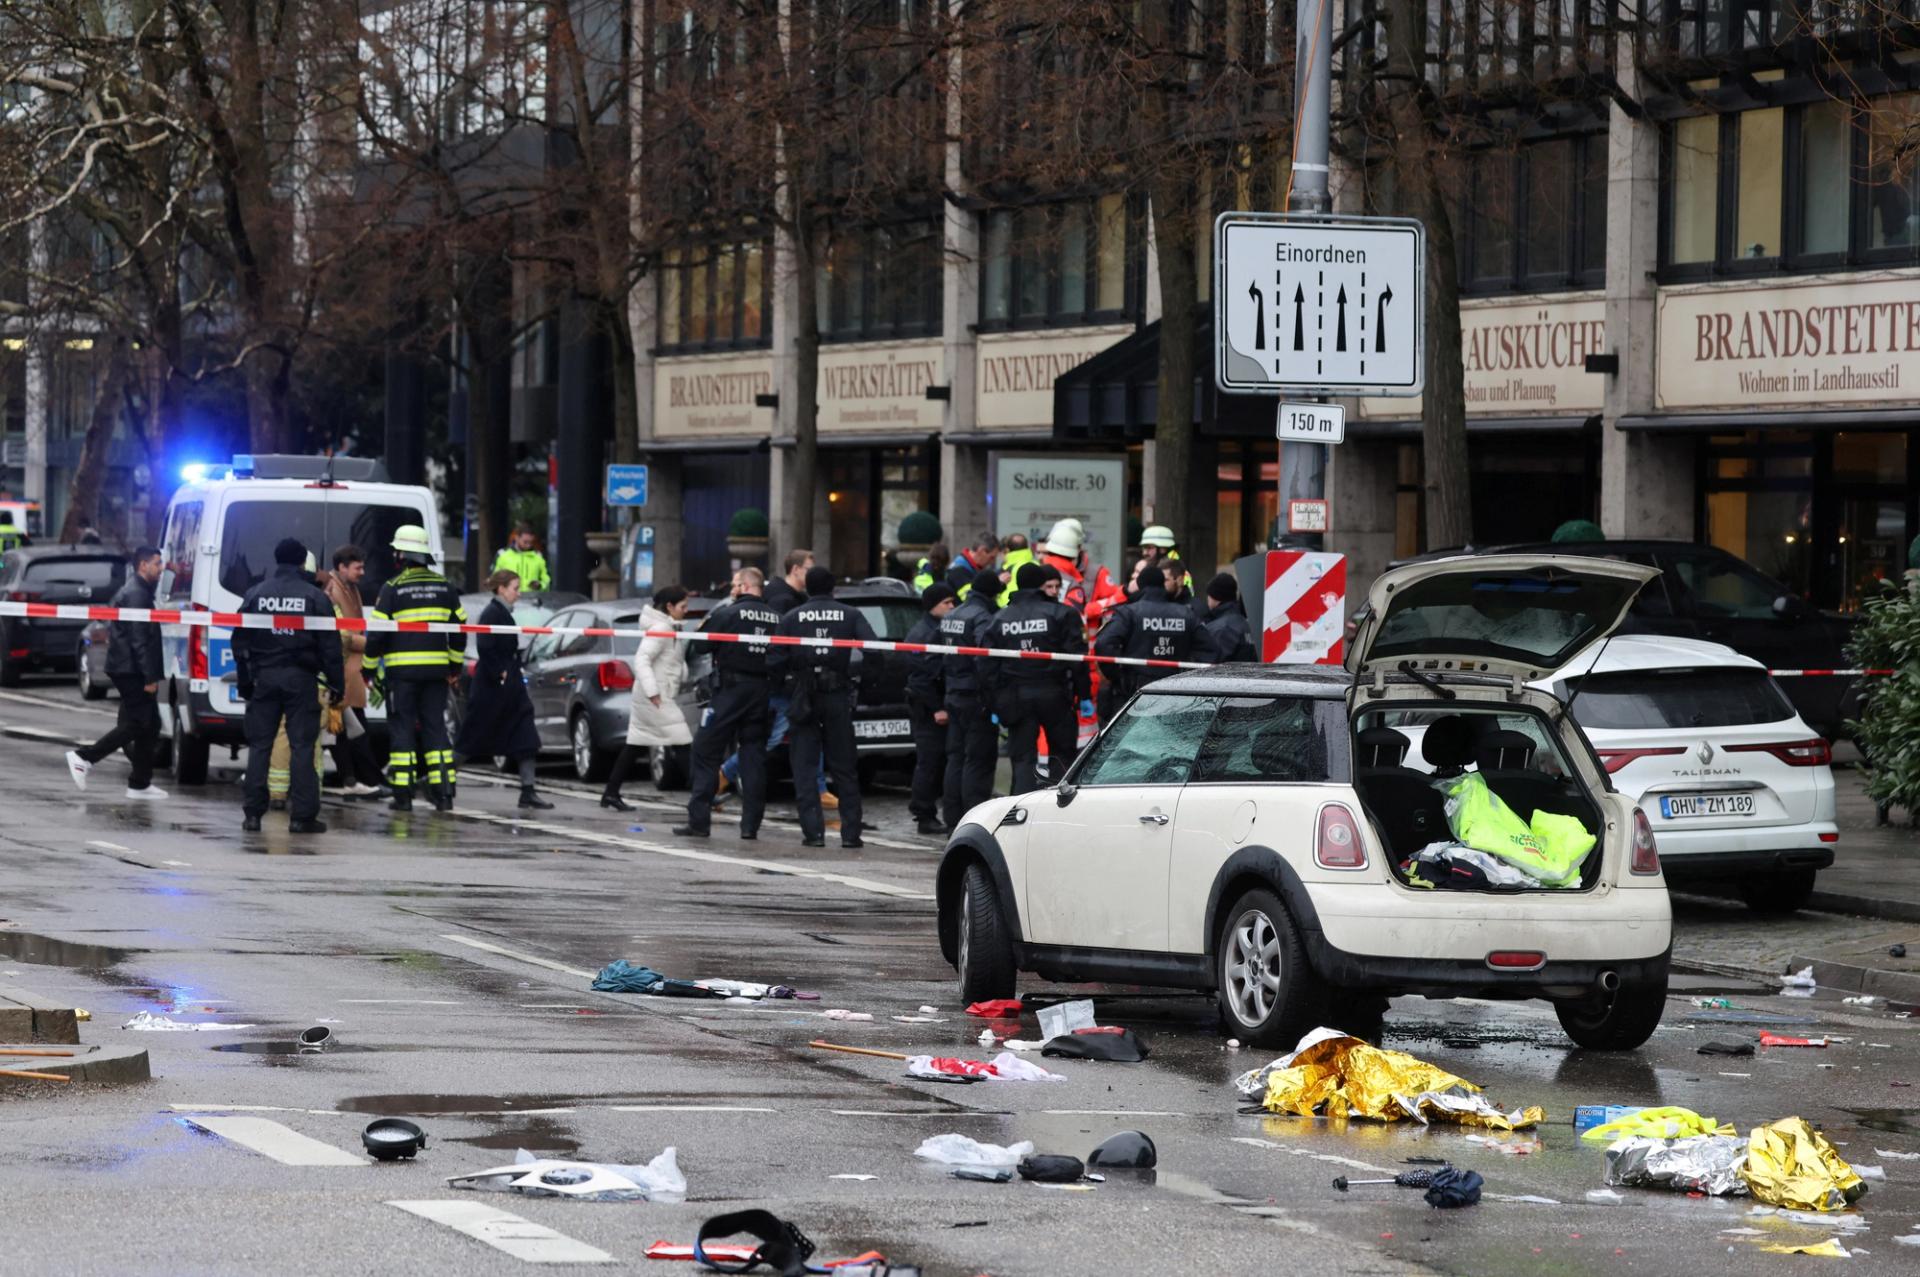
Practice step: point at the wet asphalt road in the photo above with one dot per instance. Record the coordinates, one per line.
(451, 955)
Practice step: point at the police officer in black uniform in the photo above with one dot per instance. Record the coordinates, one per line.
(1036, 696)
(1154, 627)
(277, 673)
(821, 691)
(927, 711)
(738, 710)
(973, 742)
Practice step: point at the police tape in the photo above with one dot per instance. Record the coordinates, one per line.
(375, 625)
(367, 624)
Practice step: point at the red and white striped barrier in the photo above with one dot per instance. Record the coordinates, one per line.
(1303, 619)
(367, 624)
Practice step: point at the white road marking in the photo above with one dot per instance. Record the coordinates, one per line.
(63, 706)
(507, 1232)
(110, 846)
(688, 1108)
(251, 1108)
(940, 1113)
(39, 733)
(1348, 1162)
(281, 1143)
(708, 857)
(517, 956)
(178, 864)
(409, 1002)
(1107, 1113)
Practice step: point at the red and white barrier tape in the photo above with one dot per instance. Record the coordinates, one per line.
(266, 621)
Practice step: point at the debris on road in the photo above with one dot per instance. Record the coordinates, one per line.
(148, 1022)
(818, 1045)
(1066, 1017)
(1453, 1188)
(1792, 1165)
(1005, 1067)
(1801, 979)
(1708, 1164)
(1421, 1178)
(1051, 1168)
(388, 1139)
(1335, 1072)
(958, 1150)
(1864, 1000)
(1605, 1196)
(318, 1038)
(1831, 1248)
(1125, 1151)
(996, 1009)
(1114, 1045)
(841, 1013)
(1724, 1048)
(1666, 1123)
(658, 1180)
(1779, 1039)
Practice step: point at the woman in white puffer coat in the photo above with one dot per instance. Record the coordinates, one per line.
(654, 720)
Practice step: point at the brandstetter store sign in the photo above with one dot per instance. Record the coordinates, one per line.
(1813, 342)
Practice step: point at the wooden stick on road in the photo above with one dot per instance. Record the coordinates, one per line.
(856, 1050)
(52, 1077)
(14, 1050)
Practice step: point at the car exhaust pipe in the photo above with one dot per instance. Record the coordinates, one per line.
(1609, 982)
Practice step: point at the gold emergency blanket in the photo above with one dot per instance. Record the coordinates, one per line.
(1790, 1164)
(1335, 1073)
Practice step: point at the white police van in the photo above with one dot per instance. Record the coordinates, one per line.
(222, 525)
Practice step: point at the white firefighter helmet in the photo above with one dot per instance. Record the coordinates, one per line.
(411, 538)
(1158, 535)
(1066, 538)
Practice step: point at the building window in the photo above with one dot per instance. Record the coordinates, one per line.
(1534, 218)
(1072, 262)
(713, 297)
(1799, 187)
(881, 281)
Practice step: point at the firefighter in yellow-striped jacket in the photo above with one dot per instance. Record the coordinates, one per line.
(417, 671)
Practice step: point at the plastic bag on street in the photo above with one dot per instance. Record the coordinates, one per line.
(1669, 1123)
(1336, 1073)
(958, 1150)
(1698, 1164)
(1790, 1164)
(659, 1179)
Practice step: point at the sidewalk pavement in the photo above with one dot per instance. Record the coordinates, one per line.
(1875, 875)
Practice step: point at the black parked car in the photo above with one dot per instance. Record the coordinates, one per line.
(1705, 593)
(80, 574)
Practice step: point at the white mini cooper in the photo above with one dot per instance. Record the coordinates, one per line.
(1252, 829)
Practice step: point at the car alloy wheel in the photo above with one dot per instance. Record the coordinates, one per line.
(86, 677)
(966, 930)
(582, 739)
(1253, 967)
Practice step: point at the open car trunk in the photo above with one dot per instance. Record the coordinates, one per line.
(1542, 831)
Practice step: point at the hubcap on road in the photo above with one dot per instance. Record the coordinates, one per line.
(1253, 968)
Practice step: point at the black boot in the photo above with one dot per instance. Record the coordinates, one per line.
(442, 800)
(530, 797)
(612, 802)
(688, 831)
(306, 827)
(251, 825)
(402, 799)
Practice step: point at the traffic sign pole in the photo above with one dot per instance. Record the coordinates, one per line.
(1303, 466)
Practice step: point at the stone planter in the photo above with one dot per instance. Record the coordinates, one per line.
(909, 556)
(747, 549)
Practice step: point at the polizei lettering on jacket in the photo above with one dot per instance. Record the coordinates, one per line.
(280, 605)
(1164, 624)
(808, 615)
(760, 616)
(1036, 626)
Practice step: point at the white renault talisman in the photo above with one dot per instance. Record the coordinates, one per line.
(1737, 786)
(1253, 831)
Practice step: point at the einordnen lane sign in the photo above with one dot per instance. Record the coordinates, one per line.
(1324, 304)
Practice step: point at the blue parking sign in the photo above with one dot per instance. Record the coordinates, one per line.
(626, 485)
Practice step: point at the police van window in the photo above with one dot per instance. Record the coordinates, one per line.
(1153, 742)
(97, 574)
(1273, 739)
(253, 527)
(179, 552)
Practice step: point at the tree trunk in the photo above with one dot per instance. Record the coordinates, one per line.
(269, 424)
(626, 394)
(83, 490)
(159, 404)
(806, 412)
(1173, 230)
(1447, 486)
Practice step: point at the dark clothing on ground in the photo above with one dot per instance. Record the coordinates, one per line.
(136, 729)
(499, 717)
(133, 647)
(1232, 635)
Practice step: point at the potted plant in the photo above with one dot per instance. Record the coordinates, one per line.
(917, 533)
(747, 534)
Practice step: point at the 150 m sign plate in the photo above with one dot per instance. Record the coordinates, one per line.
(1325, 304)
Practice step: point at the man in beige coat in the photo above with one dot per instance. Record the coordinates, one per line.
(352, 747)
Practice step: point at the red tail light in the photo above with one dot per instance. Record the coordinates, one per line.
(1646, 854)
(19, 653)
(24, 596)
(197, 647)
(615, 676)
(1794, 753)
(1614, 759)
(1338, 845)
(1516, 959)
